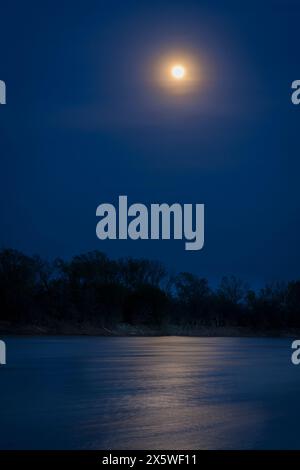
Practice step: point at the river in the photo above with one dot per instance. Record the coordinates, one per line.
(149, 393)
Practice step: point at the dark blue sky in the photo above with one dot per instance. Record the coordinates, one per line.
(84, 123)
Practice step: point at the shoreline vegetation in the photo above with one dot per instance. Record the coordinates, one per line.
(94, 295)
(126, 330)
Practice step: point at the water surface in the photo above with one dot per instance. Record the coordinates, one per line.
(149, 393)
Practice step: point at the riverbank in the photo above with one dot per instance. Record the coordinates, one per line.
(124, 329)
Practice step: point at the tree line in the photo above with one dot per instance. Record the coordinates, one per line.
(104, 292)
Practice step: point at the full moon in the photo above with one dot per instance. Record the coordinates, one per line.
(178, 72)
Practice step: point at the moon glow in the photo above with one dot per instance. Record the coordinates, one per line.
(177, 73)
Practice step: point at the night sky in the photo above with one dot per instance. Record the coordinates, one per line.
(86, 122)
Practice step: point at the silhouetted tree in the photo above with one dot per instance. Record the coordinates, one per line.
(18, 277)
(91, 288)
(230, 297)
(194, 297)
(135, 273)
